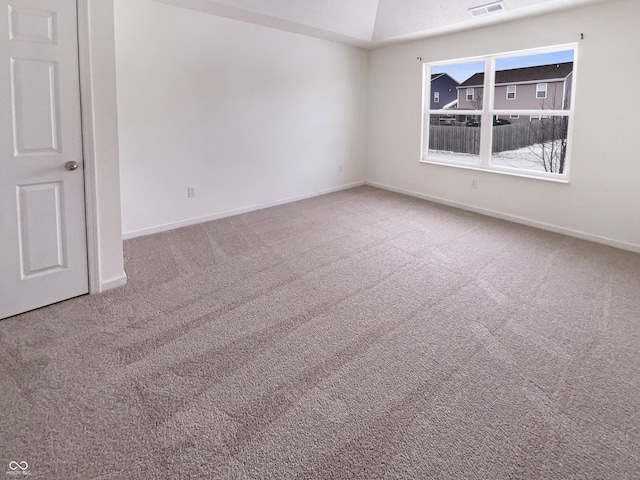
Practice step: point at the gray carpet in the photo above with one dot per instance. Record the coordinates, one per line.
(360, 335)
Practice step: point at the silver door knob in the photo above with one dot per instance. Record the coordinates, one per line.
(71, 166)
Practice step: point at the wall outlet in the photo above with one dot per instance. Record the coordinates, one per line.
(191, 191)
(474, 184)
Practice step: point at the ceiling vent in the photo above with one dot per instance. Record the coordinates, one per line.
(486, 9)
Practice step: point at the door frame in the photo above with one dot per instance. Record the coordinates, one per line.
(99, 242)
(88, 143)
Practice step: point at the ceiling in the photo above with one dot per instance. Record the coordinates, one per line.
(371, 23)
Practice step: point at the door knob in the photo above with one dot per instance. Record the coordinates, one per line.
(71, 166)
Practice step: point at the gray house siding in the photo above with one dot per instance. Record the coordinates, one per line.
(557, 77)
(568, 89)
(525, 97)
(465, 104)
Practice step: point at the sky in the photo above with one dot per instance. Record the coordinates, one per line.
(462, 71)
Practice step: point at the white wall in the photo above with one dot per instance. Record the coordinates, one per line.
(249, 115)
(602, 200)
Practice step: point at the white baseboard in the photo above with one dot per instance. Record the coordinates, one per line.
(112, 283)
(230, 213)
(513, 218)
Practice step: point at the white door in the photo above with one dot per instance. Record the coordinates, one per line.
(43, 249)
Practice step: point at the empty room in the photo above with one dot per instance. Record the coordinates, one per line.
(319, 239)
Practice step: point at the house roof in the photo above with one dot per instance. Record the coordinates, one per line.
(438, 75)
(554, 71)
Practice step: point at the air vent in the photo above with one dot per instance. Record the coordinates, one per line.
(486, 9)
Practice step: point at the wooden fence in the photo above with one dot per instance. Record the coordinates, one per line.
(453, 138)
(463, 139)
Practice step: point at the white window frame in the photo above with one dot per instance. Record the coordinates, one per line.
(514, 92)
(470, 94)
(546, 87)
(488, 111)
(539, 117)
(436, 97)
(514, 117)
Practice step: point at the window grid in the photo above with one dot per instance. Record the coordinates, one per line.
(541, 90)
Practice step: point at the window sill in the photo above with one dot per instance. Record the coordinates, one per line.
(549, 177)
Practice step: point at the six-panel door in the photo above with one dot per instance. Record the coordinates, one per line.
(43, 252)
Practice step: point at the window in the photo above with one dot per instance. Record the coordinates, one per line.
(529, 137)
(436, 97)
(463, 111)
(469, 94)
(541, 90)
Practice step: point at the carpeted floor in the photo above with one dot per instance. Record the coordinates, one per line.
(357, 335)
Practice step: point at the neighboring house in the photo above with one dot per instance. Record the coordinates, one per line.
(545, 87)
(443, 91)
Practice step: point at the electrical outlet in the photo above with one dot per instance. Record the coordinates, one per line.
(191, 191)
(474, 184)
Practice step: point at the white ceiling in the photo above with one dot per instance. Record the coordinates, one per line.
(371, 23)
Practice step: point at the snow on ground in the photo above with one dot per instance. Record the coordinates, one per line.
(524, 158)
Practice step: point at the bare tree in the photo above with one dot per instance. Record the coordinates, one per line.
(549, 138)
(477, 101)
